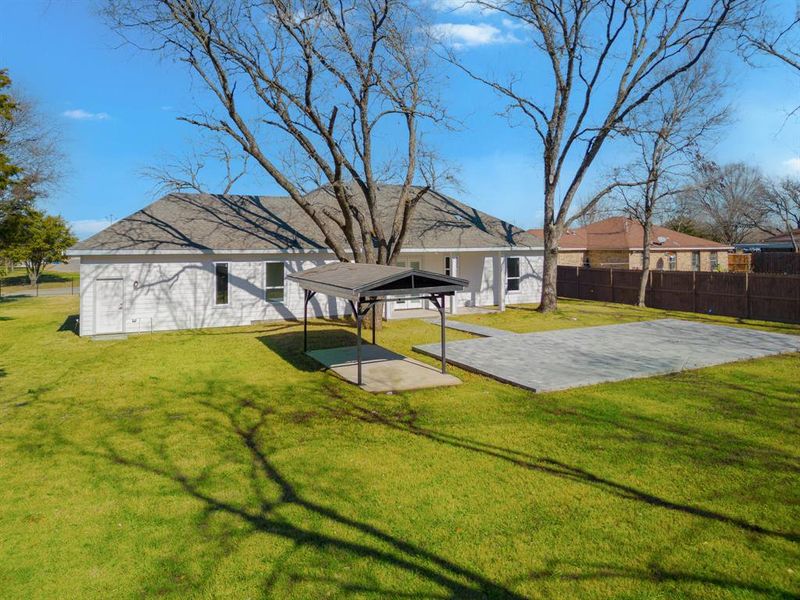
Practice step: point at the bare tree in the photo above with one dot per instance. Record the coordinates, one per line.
(605, 59)
(186, 173)
(775, 37)
(782, 201)
(306, 88)
(668, 133)
(727, 200)
(32, 144)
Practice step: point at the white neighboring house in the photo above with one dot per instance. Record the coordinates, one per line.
(189, 261)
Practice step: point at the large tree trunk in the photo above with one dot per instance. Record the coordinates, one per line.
(648, 232)
(549, 301)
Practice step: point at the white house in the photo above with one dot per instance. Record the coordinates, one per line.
(200, 260)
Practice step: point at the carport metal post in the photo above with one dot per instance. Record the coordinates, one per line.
(356, 306)
(308, 295)
(440, 306)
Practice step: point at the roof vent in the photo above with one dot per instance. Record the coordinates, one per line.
(661, 239)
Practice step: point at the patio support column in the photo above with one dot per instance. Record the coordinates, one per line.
(307, 295)
(373, 309)
(358, 338)
(500, 278)
(441, 306)
(444, 338)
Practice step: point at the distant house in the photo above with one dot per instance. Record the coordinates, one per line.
(781, 242)
(200, 260)
(617, 243)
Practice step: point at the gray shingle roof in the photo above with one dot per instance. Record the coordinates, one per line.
(214, 223)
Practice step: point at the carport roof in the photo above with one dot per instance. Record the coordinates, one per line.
(354, 281)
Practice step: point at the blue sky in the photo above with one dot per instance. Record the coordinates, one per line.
(117, 110)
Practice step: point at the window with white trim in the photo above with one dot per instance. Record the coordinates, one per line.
(673, 261)
(512, 273)
(695, 260)
(448, 266)
(221, 283)
(714, 260)
(274, 288)
(274, 282)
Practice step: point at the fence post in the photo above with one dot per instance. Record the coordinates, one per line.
(611, 282)
(746, 295)
(578, 283)
(694, 291)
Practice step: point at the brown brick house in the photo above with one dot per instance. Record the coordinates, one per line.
(617, 242)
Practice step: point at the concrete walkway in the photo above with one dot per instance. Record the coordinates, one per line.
(567, 358)
(480, 330)
(382, 370)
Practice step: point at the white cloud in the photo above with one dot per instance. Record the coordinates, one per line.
(464, 35)
(84, 115)
(84, 228)
(793, 164)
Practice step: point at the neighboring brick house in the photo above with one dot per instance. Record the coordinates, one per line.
(617, 242)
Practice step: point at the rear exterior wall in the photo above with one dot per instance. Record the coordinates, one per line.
(171, 292)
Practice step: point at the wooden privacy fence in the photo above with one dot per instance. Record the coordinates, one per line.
(787, 263)
(759, 296)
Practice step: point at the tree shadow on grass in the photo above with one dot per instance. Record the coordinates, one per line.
(246, 423)
(654, 573)
(349, 408)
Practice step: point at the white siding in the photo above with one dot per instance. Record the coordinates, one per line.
(177, 292)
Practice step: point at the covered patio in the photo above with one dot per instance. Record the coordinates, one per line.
(364, 286)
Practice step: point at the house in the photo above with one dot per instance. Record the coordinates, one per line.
(782, 242)
(617, 242)
(189, 261)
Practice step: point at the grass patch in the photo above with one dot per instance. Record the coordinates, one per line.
(224, 463)
(17, 280)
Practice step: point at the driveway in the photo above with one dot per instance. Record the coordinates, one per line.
(567, 358)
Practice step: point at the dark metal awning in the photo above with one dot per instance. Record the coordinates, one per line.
(355, 281)
(365, 285)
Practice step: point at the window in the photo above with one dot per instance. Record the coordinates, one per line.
(512, 273)
(274, 286)
(714, 261)
(695, 261)
(673, 262)
(448, 266)
(221, 277)
(586, 262)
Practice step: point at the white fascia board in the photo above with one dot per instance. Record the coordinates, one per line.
(185, 251)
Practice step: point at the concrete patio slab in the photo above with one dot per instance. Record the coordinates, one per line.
(481, 330)
(567, 358)
(382, 369)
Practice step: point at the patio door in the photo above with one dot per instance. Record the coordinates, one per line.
(408, 304)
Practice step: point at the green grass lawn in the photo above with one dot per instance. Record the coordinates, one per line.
(223, 463)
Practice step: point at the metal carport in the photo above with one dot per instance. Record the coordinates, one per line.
(364, 285)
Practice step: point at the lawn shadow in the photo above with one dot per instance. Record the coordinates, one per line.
(289, 346)
(70, 324)
(247, 425)
(408, 423)
(654, 573)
